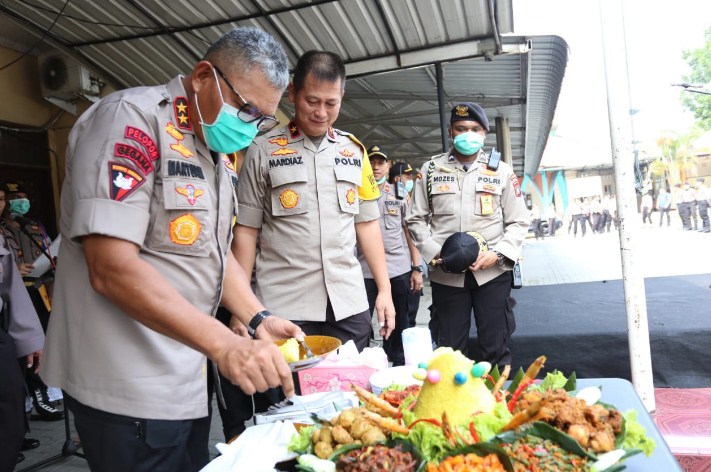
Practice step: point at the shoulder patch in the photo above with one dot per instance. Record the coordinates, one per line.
(135, 155)
(516, 185)
(142, 138)
(124, 181)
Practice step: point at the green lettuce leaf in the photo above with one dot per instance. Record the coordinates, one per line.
(635, 434)
(301, 442)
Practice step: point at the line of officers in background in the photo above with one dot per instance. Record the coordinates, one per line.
(692, 202)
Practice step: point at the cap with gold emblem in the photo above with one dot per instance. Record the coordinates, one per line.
(377, 151)
(468, 111)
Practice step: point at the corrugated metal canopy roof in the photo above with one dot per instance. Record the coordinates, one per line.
(389, 47)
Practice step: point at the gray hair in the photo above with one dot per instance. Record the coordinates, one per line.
(241, 49)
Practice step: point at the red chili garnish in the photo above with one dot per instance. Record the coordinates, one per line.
(519, 390)
(427, 420)
(472, 431)
(490, 379)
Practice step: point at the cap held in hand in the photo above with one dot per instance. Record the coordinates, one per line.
(460, 250)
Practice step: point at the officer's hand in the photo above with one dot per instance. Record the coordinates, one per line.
(436, 260)
(238, 327)
(485, 260)
(415, 281)
(33, 360)
(386, 313)
(255, 365)
(25, 269)
(274, 328)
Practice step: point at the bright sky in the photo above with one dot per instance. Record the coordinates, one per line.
(657, 33)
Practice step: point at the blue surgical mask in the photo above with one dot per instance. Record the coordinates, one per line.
(468, 143)
(409, 185)
(382, 181)
(19, 206)
(228, 133)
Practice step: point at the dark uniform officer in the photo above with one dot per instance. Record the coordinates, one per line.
(463, 191)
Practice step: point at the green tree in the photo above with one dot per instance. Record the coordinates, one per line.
(677, 160)
(699, 61)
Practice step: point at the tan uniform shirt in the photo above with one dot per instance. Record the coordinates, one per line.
(137, 172)
(478, 199)
(393, 212)
(306, 202)
(23, 324)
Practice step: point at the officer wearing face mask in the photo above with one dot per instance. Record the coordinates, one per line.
(148, 205)
(465, 190)
(28, 240)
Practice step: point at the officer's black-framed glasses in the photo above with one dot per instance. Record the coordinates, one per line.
(249, 113)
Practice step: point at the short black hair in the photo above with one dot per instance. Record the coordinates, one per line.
(324, 65)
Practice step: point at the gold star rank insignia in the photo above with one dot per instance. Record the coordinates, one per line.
(182, 113)
(294, 130)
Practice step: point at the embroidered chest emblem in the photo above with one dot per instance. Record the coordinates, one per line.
(289, 199)
(178, 146)
(279, 141)
(190, 193)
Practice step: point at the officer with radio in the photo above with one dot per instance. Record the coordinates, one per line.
(401, 255)
(468, 190)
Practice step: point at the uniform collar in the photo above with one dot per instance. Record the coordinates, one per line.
(180, 105)
(295, 133)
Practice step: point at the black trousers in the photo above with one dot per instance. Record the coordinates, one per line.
(662, 212)
(703, 208)
(493, 314)
(399, 288)
(356, 327)
(12, 403)
(117, 443)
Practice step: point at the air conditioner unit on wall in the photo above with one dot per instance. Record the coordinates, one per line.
(64, 78)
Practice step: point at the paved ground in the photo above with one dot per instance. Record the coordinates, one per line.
(558, 260)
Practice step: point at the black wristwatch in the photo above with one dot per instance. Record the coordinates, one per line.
(502, 259)
(256, 321)
(417, 268)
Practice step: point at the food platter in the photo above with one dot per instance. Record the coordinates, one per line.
(321, 346)
(549, 422)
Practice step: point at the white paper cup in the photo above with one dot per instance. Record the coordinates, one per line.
(417, 345)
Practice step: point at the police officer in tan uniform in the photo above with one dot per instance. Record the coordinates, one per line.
(21, 339)
(147, 211)
(400, 251)
(308, 192)
(403, 173)
(464, 190)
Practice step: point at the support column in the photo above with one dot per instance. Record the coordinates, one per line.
(503, 139)
(443, 122)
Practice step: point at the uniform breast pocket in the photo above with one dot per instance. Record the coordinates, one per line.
(392, 216)
(181, 221)
(348, 178)
(289, 186)
(488, 199)
(443, 199)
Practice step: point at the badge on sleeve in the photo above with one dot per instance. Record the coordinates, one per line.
(487, 204)
(516, 185)
(124, 181)
(289, 199)
(185, 229)
(350, 196)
